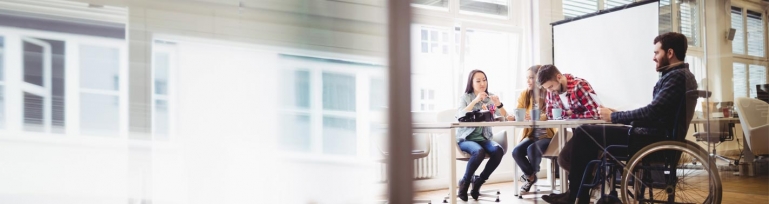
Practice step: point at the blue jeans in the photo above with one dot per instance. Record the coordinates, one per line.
(533, 148)
(478, 151)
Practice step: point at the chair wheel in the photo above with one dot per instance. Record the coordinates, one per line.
(444, 201)
(497, 200)
(519, 197)
(498, 193)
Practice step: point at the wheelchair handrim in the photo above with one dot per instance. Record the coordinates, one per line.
(697, 153)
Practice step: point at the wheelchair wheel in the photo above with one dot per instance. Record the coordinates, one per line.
(663, 172)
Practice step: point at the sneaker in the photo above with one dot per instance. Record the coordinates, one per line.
(529, 182)
(523, 179)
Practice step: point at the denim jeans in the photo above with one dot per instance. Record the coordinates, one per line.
(478, 151)
(533, 148)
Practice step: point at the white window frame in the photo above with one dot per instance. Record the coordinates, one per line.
(515, 14)
(43, 91)
(457, 58)
(170, 97)
(753, 7)
(14, 102)
(746, 58)
(362, 114)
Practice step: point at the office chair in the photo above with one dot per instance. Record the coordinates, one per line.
(754, 118)
(499, 137)
(715, 135)
(421, 150)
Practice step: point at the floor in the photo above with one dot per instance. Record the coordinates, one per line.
(736, 189)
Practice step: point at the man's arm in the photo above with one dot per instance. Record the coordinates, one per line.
(583, 98)
(669, 95)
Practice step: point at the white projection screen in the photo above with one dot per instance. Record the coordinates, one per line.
(613, 51)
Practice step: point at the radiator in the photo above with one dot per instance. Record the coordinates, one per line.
(424, 168)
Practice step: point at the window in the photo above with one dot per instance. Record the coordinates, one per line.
(378, 94)
(434, 41)
(43, 85)
(695, 66)
(486, 50)
(756, 75)
(427, 100)
(339, 106)
(494, 52)
(327, 100)
(574, 8)
(666, 17)
(435, 3)
(492, 7)
(67, 81)
(738, 44)
(755, 33)
(688, 18)
(614, 3)
(746, 77)
(99, 90)
(164, 53)
(299, 136)
(432, 70)
(749, 35)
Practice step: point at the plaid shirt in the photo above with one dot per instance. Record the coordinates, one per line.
(581, 103)
(668, 93)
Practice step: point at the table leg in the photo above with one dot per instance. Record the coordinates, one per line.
(515, 166)
(561, 143)
(453, 169)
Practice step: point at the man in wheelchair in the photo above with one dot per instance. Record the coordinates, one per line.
(674, 83)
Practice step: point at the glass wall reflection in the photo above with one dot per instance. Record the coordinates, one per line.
(193, 102)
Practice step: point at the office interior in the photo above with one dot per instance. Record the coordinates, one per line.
(315, 101)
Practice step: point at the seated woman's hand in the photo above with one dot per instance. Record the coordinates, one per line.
(510, 118)
(528, 117)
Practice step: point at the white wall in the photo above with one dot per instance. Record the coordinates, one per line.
(613, 52)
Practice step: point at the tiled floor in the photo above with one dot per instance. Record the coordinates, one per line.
(736, 189)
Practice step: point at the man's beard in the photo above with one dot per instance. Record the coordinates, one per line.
(663, 62)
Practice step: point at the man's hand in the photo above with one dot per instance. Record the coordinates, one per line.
(605, 113)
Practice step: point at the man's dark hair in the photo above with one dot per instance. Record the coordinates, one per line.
(675, 41)
(546, 73)
(469, 87)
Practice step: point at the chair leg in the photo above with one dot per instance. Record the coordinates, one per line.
(552, 173)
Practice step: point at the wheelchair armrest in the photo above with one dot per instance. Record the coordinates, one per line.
(646, 124)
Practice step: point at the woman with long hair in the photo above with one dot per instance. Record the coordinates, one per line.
(477, 141)
(528, 153)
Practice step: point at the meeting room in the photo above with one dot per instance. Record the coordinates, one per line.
(384, 101)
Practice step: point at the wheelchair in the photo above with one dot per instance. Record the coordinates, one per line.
(658, 166)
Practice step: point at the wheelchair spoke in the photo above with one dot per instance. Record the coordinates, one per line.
(667, 175)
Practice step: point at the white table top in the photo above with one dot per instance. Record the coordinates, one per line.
(548, 123)
(438, 125)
